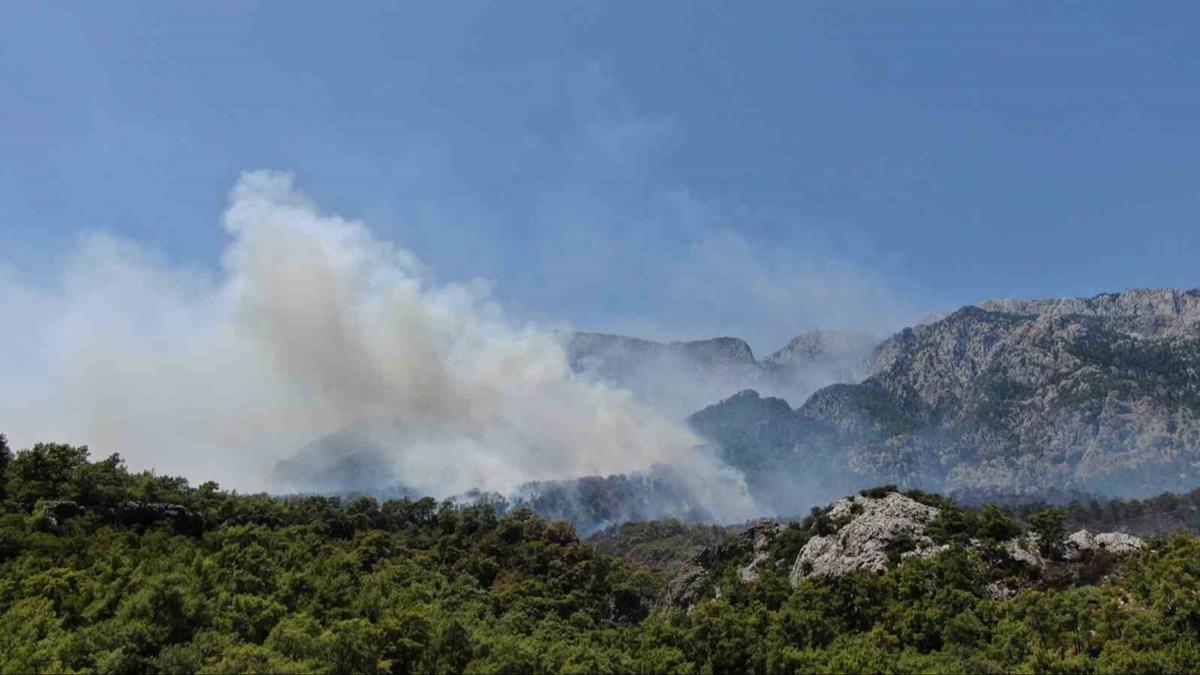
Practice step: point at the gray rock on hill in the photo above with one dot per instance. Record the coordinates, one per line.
(871, 526)
(1119, 543)
(875, 533)
(862, 543)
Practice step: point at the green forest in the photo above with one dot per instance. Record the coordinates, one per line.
(107, 570)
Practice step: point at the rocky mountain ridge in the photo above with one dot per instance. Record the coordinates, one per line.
(1145, 312)
(1098, 395)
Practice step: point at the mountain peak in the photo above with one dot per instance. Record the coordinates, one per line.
(822, 345)
(718, 350)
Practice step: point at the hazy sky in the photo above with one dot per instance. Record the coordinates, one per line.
(663, 168)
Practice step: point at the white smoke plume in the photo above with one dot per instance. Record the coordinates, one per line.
(313, 325)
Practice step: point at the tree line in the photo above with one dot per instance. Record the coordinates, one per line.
(104, 569)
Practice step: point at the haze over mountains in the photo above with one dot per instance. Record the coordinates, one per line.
(681, 377)
(321, 358)
(673, 380)
(1008, 399)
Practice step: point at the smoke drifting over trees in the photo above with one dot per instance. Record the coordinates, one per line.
(312, 325)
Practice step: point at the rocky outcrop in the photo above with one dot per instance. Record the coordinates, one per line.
(688, 586)
(56, 511)
(1084, 558)
(145, 514)
(1023, 549)
(696, 578)
(762, 537)
(877, 530)
(127, 513)
(1117, 543)
(863, 543)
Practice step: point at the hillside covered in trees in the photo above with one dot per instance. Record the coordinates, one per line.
(106, 570)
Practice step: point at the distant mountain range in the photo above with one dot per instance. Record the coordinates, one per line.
(682, 377)
(676, 378)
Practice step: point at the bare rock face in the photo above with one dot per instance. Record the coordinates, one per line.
(863, 542)
(1113, 542)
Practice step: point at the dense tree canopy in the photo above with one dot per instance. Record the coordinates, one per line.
(106, 570)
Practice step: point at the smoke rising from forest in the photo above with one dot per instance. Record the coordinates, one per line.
(311, 326)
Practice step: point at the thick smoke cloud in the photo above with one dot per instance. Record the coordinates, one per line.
(314, 325)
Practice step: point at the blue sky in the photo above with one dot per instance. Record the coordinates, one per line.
(671, 168)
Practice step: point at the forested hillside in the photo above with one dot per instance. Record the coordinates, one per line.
(106, 570)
